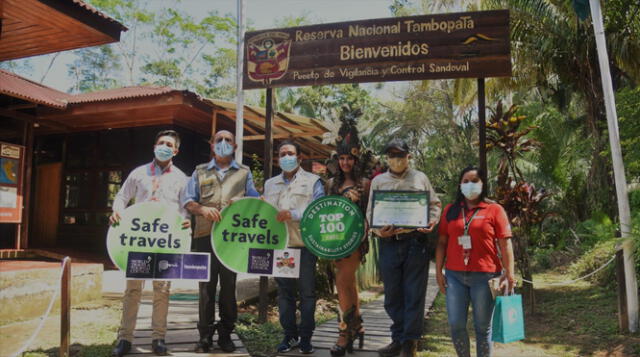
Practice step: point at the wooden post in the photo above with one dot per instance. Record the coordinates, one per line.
(22, 233)
(268, 172)
(65, 308)
(214, 122)
(482, 130)
(623, 317)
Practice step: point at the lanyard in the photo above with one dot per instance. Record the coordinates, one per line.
(468, 223)
(155, 180)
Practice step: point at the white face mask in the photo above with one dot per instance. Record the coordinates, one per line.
(471, 190)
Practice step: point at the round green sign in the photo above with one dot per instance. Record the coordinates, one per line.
(248, 229)
(332, 227)
(152, 227)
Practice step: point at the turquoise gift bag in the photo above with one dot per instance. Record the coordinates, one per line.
(508, 319)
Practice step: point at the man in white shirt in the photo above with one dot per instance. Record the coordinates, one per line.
(160, 181)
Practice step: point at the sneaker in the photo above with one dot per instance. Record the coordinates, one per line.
(305, 345)
(287, 344)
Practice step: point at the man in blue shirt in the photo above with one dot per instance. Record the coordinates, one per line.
(213, 186)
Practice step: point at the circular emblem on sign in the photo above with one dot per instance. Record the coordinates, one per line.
(248, 234)
(332, 227)
(150, 227)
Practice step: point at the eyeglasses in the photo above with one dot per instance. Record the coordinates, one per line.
(393, 155)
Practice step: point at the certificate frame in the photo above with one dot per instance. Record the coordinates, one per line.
(412, 199)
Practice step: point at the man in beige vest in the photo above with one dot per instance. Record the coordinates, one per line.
(291, 192)
(212, 187)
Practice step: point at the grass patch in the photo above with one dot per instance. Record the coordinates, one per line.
(93, 331)
(575, 320)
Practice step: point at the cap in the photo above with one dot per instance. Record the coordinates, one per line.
(398, 144)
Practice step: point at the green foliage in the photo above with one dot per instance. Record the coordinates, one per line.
(442, 138)
(95, 68)
(634, 201)
(628, 108)
(259, 339)
(257, 172)
(166, 47)
(600, 243)
(598, 255)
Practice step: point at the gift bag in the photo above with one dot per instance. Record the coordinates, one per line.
(508, 319)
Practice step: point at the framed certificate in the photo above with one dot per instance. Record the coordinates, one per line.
(402, 209)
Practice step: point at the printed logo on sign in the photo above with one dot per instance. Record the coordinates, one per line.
(260, 261)
(268, 56)
(140, 265)
(168, 266)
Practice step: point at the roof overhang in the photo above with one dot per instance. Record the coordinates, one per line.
(36, 27)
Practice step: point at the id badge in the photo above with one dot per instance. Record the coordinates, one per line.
(465, 241)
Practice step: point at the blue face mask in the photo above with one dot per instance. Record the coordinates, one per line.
(163, 153)
(288, 163)
(223, 148)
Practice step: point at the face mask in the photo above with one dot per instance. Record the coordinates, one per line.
(398, 164)
(223, 148)
(471, 190)
(163, 153)
(288, 163)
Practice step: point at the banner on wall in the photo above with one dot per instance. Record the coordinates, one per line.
(11, 171)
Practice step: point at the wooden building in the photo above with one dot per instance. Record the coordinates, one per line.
(86, 144)
(79, 148)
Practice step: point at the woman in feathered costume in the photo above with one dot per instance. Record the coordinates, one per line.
(351, 182)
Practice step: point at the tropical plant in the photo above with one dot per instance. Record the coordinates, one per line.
(554, 53)
(523, 203)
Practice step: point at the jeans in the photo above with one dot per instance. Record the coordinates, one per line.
(227, 306)
(462, 288)
(305, 285)
(404, 267)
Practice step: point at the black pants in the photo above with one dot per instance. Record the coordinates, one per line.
(227, 306)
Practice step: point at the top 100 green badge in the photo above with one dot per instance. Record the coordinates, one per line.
(332, 227)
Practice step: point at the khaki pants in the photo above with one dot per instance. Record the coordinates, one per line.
(131, 302)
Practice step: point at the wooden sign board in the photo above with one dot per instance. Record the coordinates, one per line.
(454, 45)
(11, 168)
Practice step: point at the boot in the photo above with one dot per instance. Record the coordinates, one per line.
(391, 350)
(409, 348)
(345, 337)
(358, 331)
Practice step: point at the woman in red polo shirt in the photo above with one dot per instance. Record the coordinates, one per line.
(472, 231)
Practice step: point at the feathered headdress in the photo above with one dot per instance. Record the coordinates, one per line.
(348, 141)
